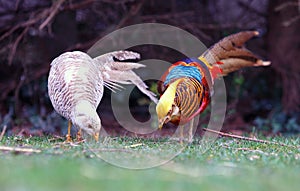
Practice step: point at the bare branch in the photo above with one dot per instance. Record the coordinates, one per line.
(132, 12)
(286, 5)
(20, 25)
(15, 45)
(247, 138)
(17, 5)
(3, 132)
(248, 7)
(291, 21)
(36, 17)
(18, 149)
(53, 11)
(48, 12)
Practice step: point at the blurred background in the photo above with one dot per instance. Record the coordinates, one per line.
(34, 32)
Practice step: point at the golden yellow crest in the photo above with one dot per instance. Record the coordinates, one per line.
(166, 100)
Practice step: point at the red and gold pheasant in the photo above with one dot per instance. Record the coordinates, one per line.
(185, 86)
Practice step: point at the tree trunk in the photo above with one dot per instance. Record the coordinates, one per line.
(284, 49)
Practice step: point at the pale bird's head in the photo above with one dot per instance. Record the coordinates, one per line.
(166, 108)
(90, 124)
(86, 118)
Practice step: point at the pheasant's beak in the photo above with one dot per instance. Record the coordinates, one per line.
(160, 124)
(96, 136)
(163, 121)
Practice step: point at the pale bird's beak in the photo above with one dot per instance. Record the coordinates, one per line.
(96, 136)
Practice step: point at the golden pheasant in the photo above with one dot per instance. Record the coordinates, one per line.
(185, 86)
(76, 81)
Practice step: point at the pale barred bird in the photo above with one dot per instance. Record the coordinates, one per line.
(76, 81)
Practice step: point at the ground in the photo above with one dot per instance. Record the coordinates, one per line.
(228, 164)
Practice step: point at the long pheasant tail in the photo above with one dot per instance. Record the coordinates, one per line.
(229, 54)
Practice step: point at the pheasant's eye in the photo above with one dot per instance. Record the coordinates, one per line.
(168, 118)
(170, 111)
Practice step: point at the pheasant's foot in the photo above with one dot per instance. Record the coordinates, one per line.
(191, 135)
(191, 131)
(181, 134)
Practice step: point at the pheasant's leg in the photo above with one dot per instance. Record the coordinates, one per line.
(69, 139)
(79, 135)
(181, 137)
(191, 129)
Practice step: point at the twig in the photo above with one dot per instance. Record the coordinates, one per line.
(131, 14)
(246, 138)
(285, 5)
(251, 9)
(15, 45)
(18, 149)
(35, 18)
(291, 21)
(3, 132)
(13, 29)
(134, 145)
(17, 5)
(17, 92)
(53, 10)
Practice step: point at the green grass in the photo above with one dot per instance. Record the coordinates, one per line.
(225, 164)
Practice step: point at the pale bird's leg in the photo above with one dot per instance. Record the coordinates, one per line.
(79, 135)
(69, 139)
(191, 130)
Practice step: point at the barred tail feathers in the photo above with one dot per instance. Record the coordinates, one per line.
(229, 54)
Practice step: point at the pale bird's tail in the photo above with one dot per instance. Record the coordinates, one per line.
(116, 71)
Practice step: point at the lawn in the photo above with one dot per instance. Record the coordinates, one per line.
(225, 164)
